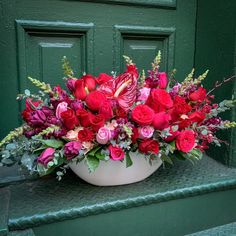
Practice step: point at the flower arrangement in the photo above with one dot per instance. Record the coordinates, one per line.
(105, 118)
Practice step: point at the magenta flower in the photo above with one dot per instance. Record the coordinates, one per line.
(145, 132)
(72, 149)
(116, 153)
(46, 156)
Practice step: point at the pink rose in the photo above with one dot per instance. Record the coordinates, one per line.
(163, 80)
(144, 93)
(46, 156)
(116, 153)
(103, 135)
(161, 120)
(145, 132)
(62, 106)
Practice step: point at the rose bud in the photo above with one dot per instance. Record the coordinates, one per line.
(145, 132)
(72, 149)
(94, 100)
(161, 120)
(116, 153)
(103, 135)
(46, 156)
(62, 106)
(103, 78)
(80, 92)
(89, 82)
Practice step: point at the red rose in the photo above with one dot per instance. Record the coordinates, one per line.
(184, 123)
(149, 146)
(135, 135)
(94, 100)
(180, 107)
(96, 121)
(185, 141)
(69, 119)
(197, 116)
(85, 135)
(159, 100)
(103, 78)
(199, 95)
(142, 114)
(89, 82)
(116, 153)
(83, 117)
(106, 110)
(120, 112)
(80, 92)
(161, 120)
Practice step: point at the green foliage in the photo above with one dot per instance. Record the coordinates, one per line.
(54, 143)
(92, 163)
(167, 159)
(129, 161)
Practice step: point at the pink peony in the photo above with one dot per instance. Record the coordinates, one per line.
(62, 106)
(103, 135)
(145, 132)
(46, 156)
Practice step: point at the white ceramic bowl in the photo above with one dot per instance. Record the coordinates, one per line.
(110, 173)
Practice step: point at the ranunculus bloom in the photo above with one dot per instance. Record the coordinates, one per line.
(103, 78)
(159, 100)
(83, 116)
(144, 93)
(161, 120)
(89, 82)
(116, 153)
(94, 100)
(197, 116)
(103, 135)
(163, 80)
(106, 110)
(199, 95)
(185, 141)
(96, 121)
(85, 135)
(142, 114)
(149, 146)
(37, 118)
(72, 149)
(46, 156)
(69, 119)
(80, 92)
(145, 132)
(62, 106)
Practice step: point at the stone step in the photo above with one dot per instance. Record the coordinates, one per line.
(176, 200)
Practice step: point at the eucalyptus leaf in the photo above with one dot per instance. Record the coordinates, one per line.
(10, 146)
(27, 92)
(129, 161)
(7, 161)
(92, 163)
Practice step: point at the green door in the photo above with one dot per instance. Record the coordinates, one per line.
(94, 35)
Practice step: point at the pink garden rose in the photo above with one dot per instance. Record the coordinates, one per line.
(72, 149)
(62, 106)
(144, 93)
(145, 132)
(116, 153)
(103, 135)
(46, 156)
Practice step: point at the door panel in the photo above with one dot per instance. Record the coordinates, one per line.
(94, 35)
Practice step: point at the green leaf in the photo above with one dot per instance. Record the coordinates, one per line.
(167, 159)
(92, 163)
(99, 155)
(129, 161)
(40, 148)
(10, 146)
(93, 151)
(52, 143)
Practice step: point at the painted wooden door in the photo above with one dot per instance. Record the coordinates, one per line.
(35, 35)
